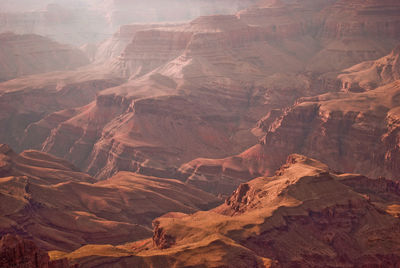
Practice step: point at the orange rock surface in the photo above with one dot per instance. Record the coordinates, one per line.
(305, 216)
(47, 200)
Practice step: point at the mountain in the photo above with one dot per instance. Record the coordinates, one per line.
(79, 22)
(32, 54)
(371, 74)
(354, 130)
(306, 215)
(28, 99)
(197, 89)
(48, 200)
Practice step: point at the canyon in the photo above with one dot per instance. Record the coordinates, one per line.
(200, 133)
(305, 216)
(28, 54)
(48, 200)
(207, 82)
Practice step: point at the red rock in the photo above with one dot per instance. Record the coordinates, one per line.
(18, 252)
(49, 201)
(32, 54)
(197, 89)
(100, 18)
(306, 215)
(29, 99)
(371, 74)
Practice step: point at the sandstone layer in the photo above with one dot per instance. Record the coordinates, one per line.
(90, 21)
(197, 89)
(354, 130)
(18, 252)
(305, 216)
(47, 200)
(28, 99)
(32, 54)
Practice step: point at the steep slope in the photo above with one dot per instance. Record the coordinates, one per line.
(355, 130)
(42, 168)
(198, 89)
(28, 99)
(90, 21)
(31, 54)
(371, 74)
(355, 31)
(306, 216)
(45, 199)
(18, 252)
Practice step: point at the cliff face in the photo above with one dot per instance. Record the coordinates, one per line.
(305, 215)
(224, 72)
(371, 74)
(283, 218)
(197, 89)
(28, 99)
(64, 20)
(355, 130)
(340, 129)
(48, 200)
(18, 252)
(31, 54)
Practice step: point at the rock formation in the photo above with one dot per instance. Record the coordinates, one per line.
(355, 130)
(18, 252)
(91, 21)
(28, 99)
(306, 215)
(27, 54)
(372, 74)
(47, 200)
(206, 82)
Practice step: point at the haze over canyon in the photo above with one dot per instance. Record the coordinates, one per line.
(200, 133)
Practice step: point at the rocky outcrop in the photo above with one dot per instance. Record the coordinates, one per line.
(305, 215)
(26, 100)
(18, 252)
(91, 21)
(306, 199)
(361, 19)
(224, 72)
(32, 54)
(337, 128)
(40, 167)
(49, 201)
(340, 129)
(371, 74)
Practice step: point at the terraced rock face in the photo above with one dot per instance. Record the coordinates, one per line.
(355, 130)
(17, 252)
(80, 22)
(197, 89)
(46, 199)
(371, 74)
(28, 99)
(305, 215)
(32, 54)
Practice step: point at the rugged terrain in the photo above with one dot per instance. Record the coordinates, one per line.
(305, 216)
(173, 117)
(48, 200)
(80, 22)
(27, 54)
(354, 130)
(198, 89)
(18, 252)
